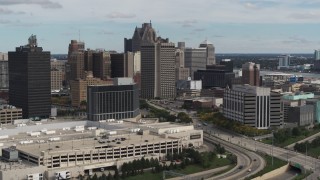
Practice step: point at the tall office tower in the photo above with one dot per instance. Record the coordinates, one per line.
(251, 74)
(75, 65)
(120, 101)
(199, 58)
(127, 45)
(144, 34)
(317, 54)
(211, 56)
(101, 65)
(158, 70)
(57, 74)
(4, 72)
(137, 68)
(284, 61)
(29, 80)
(253, 106)
(182, 73)
(88, 60)
(75, 46)
(122, 65)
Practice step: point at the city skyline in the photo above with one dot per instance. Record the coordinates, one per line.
(233, 26)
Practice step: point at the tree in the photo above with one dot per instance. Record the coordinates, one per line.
(296, 131)
(109, 176)
(103, 176)
(94, 177)
(116, 174)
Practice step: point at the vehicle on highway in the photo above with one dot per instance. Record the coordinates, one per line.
(249, 170)
(240, 167)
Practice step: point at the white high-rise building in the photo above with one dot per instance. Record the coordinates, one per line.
(4, 71)
(284, 61)
(253, 106)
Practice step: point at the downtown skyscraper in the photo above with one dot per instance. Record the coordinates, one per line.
(29, 80)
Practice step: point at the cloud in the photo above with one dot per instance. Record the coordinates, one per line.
(119, 15)
(106, 32)
(2, 21)
(250, 5)
(8, 11)
(43, 3)
(188, 23)
(199, 29)
(296, 40)
(308, 15)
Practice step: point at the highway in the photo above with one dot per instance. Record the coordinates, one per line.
(246, 159)
(299, 159)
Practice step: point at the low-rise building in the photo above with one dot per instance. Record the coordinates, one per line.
(102, 145)
(9, 113)
(302, 115)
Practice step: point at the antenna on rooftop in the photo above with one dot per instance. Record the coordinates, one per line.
(79, 35)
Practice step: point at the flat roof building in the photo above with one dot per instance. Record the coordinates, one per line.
(254, 106)
(120, 101)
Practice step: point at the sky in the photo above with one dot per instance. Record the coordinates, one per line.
(233, 26)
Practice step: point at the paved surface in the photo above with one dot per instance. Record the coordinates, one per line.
(307, 162)
(310, 138)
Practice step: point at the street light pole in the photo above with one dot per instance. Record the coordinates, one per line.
(272, 149)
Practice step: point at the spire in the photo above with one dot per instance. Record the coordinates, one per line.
(150, 24)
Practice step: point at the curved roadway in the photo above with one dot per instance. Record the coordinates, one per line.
(246, 159)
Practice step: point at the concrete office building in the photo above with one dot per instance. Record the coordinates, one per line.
(317, 54)
(122, 65)
(158, 70)
(29, 80)
(251, 74)
(284, 61)
(9, 113)
(79, 88)
(253, 106)
(75, 64)
(214, 78)
(101, 65)
(182, 73)
(316, 108)
(57, 74)
(302, 115)
(88, 60)
(120, 101)
(70, 157)
(4, 72)
(199, 58)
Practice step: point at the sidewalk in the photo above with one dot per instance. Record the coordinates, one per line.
(290, 146)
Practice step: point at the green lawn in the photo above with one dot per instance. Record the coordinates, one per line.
(314, 152)
(291, 140)
(196, 168)
(277, 163)
(146, 176)
(188, 170)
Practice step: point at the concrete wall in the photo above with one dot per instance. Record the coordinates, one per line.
(273, 173)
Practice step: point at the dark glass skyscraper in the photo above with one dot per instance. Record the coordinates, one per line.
(29, 80)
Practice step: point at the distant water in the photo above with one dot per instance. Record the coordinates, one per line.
(305, 75)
